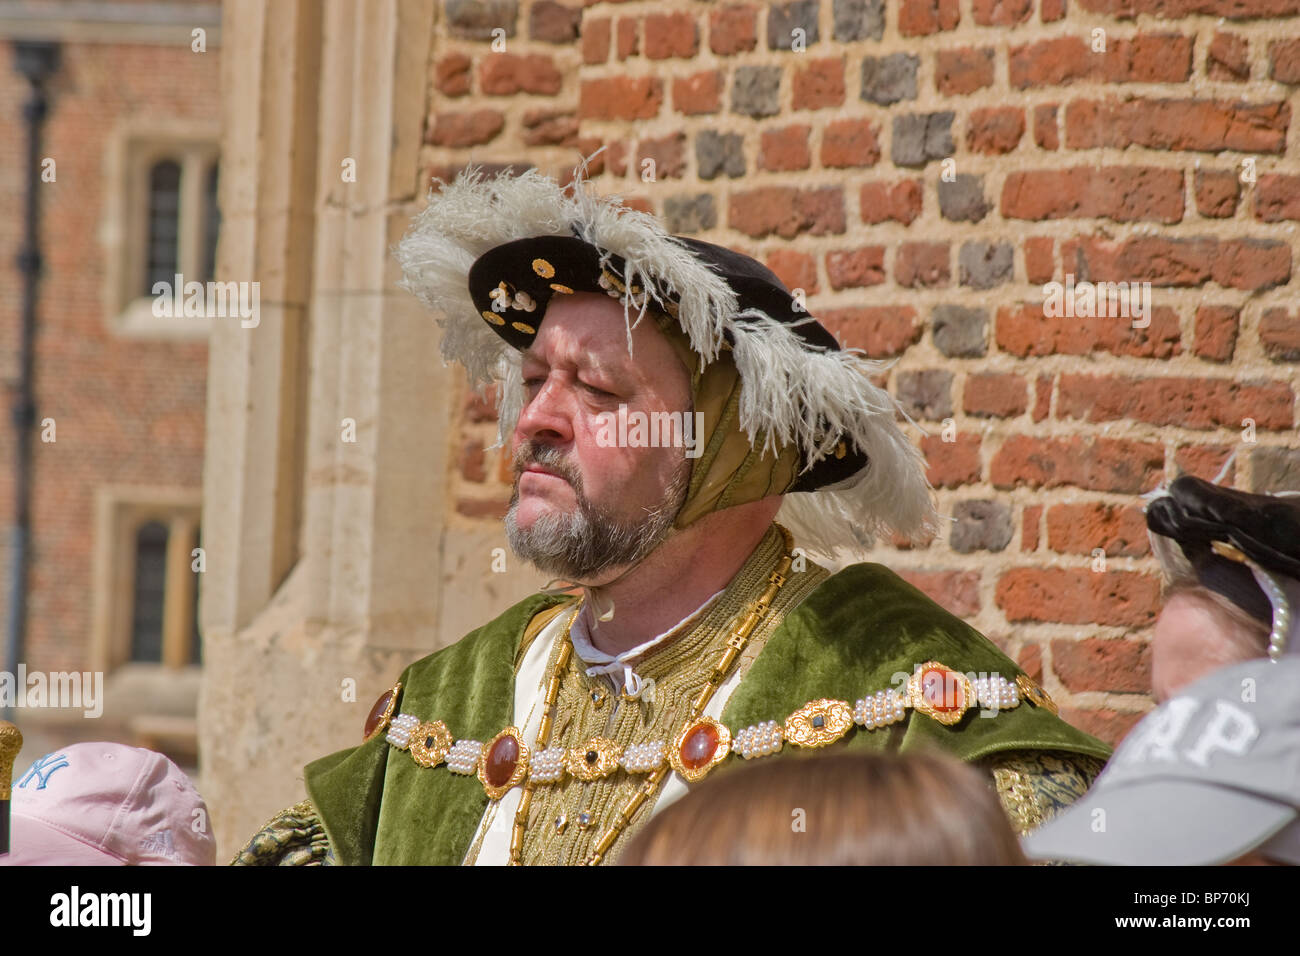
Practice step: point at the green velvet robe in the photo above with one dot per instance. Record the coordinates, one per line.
(849, 637)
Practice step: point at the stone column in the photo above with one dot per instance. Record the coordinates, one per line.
(326, 445)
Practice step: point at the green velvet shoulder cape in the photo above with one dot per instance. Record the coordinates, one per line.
(849, 636)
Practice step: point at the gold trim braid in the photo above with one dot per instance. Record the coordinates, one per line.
(1035, 785)
(293, 837)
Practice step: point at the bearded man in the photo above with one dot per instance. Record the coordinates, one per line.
(701, 633)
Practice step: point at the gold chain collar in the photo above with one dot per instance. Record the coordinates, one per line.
(735, 644)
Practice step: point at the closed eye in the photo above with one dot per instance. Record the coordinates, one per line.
(537, 382)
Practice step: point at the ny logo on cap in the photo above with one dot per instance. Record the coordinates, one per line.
(42, 769)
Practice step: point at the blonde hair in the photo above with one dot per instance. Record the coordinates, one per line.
(889, 809)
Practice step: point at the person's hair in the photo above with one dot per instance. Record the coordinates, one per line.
(1248, 632)
(925, 809)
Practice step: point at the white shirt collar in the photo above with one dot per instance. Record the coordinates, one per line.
(633, 684)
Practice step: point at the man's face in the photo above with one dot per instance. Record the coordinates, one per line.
(583, 506)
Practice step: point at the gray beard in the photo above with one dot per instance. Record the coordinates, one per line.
(589, 541)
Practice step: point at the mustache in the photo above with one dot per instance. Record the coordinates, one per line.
(548, 456)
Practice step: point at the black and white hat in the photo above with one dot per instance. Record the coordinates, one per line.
(490, 254)
(1244, 547)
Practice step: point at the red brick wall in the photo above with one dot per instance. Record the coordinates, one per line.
(828, 164)
(126, 411)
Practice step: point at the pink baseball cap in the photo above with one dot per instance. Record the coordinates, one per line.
(106, 804)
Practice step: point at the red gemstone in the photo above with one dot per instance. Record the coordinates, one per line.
(501, 761)
(699, 746)
(942, 689)
(376, 713)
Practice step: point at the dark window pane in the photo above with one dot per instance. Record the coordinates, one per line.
(161, 262)
(211, 226)
(150, 584)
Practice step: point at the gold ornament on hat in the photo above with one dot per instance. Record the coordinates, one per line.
(500, 296)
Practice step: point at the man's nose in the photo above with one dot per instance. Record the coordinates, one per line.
(548, 414)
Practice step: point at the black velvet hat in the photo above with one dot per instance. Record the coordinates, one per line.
(1239, 545)
(513, 283)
